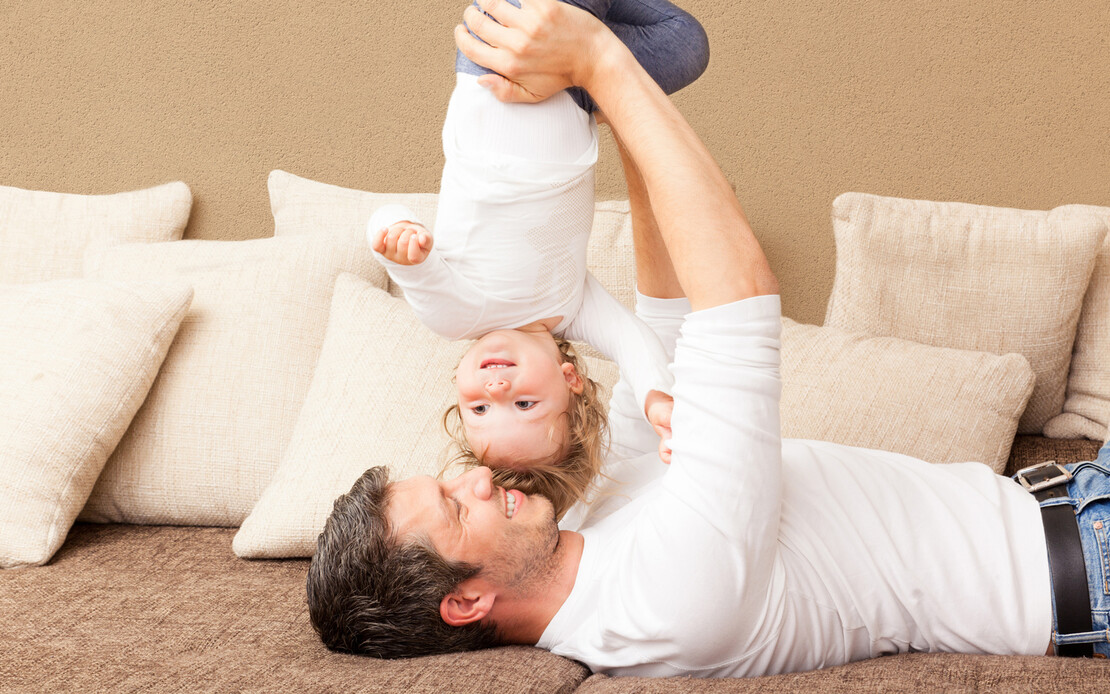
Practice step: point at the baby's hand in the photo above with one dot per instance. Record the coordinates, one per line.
(405, 243)
(658, 407)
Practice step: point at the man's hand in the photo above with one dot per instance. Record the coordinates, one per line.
(658, 407)
(405, 243)
(542, 48)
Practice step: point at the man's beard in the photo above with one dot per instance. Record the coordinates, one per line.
(528, 557)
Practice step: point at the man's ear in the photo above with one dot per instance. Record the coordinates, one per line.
(574, 380)
(468, 603)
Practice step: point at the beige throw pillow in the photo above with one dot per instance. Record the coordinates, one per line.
(206, 441)
(940, 405)
(303, 206)
(378, 396)
(76, 360)
(1087, 402)
(44, 236)
(968, 277)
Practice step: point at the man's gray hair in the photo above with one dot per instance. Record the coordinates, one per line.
(372, 595)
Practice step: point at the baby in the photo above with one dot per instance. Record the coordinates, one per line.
(507, 266)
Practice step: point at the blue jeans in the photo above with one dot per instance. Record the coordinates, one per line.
(669, 44)
(1089, 495)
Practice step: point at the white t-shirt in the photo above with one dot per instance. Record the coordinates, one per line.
(751, 555)
(515, 209)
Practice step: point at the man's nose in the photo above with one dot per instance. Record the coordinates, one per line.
(480, 481)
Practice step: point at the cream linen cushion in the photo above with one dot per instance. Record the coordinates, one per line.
(1087, 402)
(217, 420)
(44, 236)
(303, 206)
(378, 396)
(941, 405)
(76, 360)
(968, 277)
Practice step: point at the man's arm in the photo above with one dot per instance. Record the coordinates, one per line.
(655, 274)
(545, 47)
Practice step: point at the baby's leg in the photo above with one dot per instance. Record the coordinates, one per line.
(668, 42)
(597, 8)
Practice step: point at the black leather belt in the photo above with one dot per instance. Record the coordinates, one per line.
(1065, 554)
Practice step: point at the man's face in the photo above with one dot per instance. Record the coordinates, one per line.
(510, 535)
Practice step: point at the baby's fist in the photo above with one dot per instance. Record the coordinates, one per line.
(405, 243)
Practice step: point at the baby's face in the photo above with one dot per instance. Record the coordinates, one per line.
(513, 388)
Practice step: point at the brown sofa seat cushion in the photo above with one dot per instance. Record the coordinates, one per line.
(133, 608)
(1030, 450)
(913, 672)
(126, 608)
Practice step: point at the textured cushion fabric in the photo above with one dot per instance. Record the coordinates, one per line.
(303, 206)
(610, 254)
(941, 405)
(44, 236)
(126, 608)
(76, 360)
(1087, 402)
(914, 672)
(1033, 450)
(209, 436)
(968, 277)
(378, 396)
(131, 608)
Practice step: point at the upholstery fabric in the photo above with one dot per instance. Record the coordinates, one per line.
(212, 431)
(969, 277)
(125, 608)
(382, 384)
(914, 672)
(76, 360)
(941, 405)
(1032, 450)
(303, 206)
(1087, 403)
(44, 235)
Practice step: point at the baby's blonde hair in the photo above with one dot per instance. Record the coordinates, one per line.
(565, 477)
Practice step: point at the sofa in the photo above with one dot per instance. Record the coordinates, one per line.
(180, 390)
(163, 544)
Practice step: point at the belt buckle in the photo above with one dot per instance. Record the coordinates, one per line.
(1062, 477)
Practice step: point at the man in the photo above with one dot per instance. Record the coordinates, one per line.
(749, 555)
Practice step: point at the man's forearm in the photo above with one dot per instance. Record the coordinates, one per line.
(715, 254)
(655, 275)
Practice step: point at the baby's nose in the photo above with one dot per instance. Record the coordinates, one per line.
(498, 385)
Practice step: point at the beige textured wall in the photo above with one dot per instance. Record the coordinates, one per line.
(1002, 102)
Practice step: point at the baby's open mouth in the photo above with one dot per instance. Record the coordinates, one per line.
(496, 364)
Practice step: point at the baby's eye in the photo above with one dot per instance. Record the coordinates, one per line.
(479, 409)
(525, 404)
